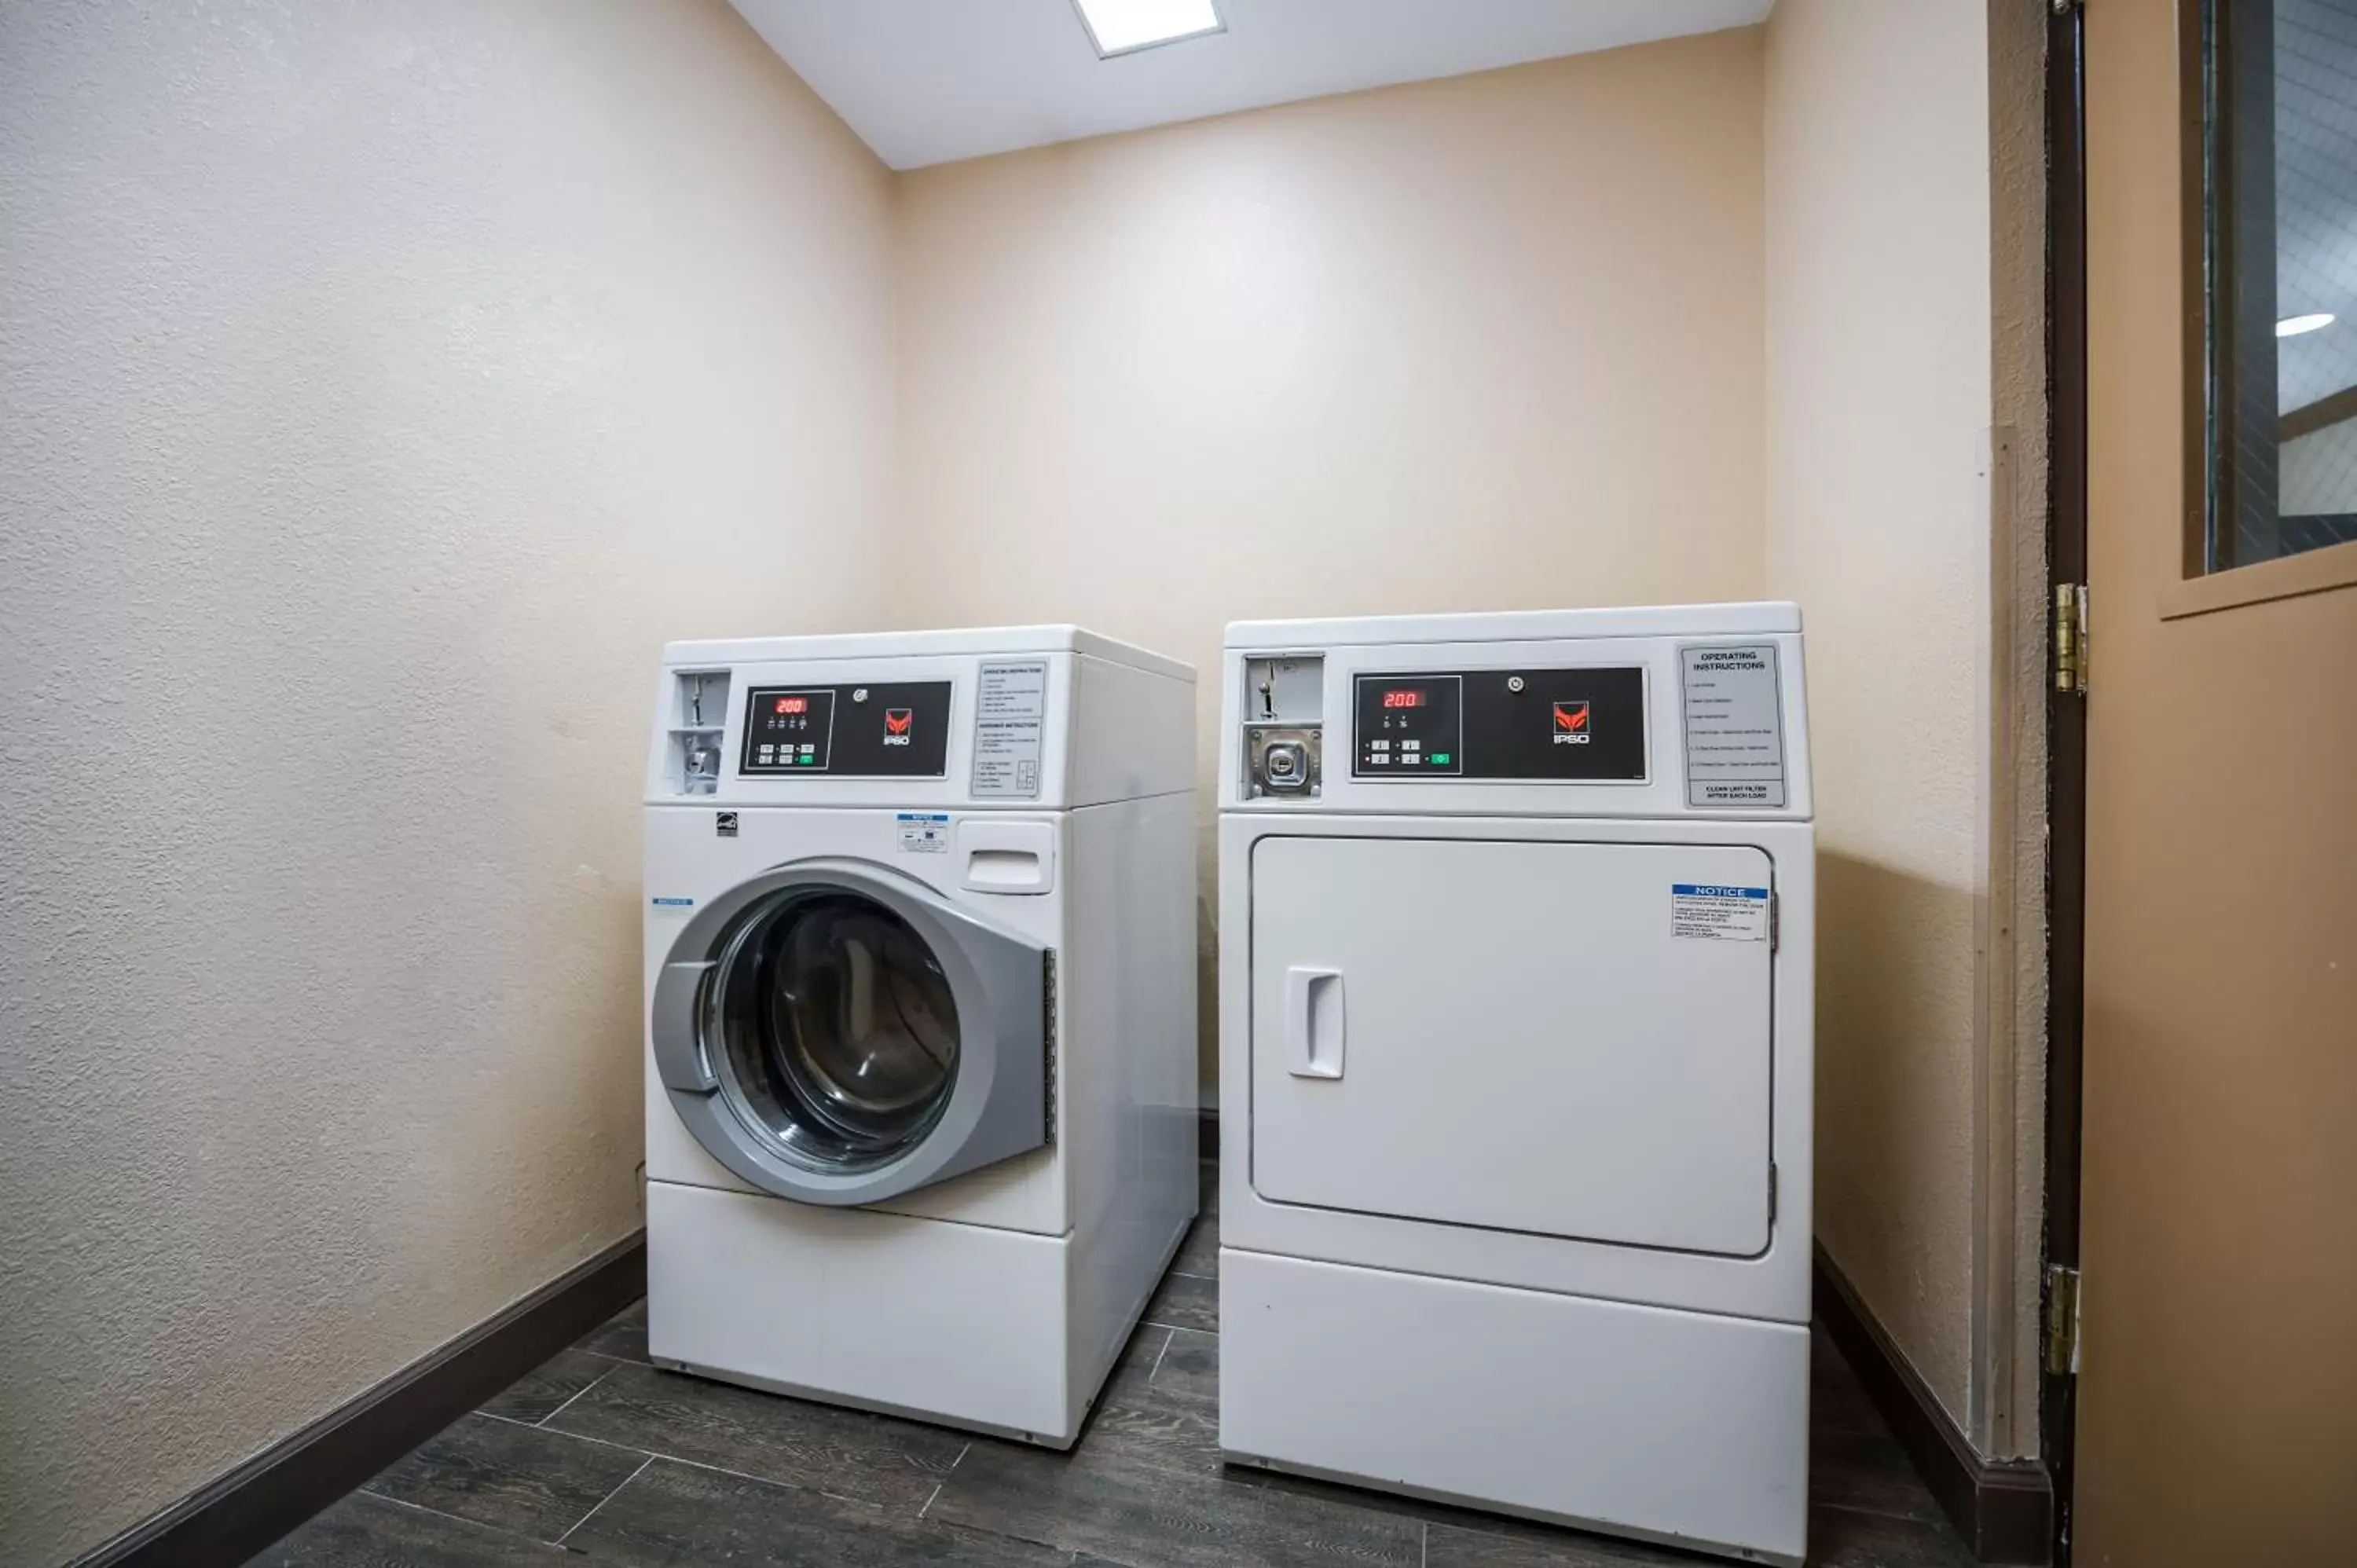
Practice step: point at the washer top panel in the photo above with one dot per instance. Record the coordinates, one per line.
(993, 640)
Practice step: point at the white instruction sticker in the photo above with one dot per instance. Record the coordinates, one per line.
(924, 833)
(1735, 726)
(1718, 914)
(1010, 711)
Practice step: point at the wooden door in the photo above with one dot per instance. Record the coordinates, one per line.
(2217, 1404)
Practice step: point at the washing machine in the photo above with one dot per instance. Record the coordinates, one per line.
(921, 1105)
(1516, 1032)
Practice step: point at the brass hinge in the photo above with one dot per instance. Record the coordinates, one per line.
(2061, 1320)
(2071, 637)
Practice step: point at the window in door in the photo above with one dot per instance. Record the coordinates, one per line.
(2273, 327)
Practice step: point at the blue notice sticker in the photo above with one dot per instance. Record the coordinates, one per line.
(1711, 912)
(673, 903)
(924, 833)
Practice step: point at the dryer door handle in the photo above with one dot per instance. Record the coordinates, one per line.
(1313, 1022)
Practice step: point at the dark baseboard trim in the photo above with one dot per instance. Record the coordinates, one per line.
(232, 1517)
(2003, 1508)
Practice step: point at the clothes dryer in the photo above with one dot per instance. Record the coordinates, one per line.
(1515, 1024)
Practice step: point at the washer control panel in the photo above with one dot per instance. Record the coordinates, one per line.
(1578, 724)
(867, 730)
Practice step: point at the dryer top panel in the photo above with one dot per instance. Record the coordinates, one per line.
(1699, 711)
(1520, 626)
(993, 640)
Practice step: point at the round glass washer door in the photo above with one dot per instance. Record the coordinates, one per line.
(832, 1028)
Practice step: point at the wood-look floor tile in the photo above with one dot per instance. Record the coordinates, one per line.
(359, 1530)
(1186, 1301)
(623, 1336)
(542, 1392)
(1511, 1544)
(1189, 1368)
(673, 1513)
(1867, 1472)
(1132, 1370)
(1160, 1519)
(1839, 1538)
(1837, 1400)
(1152, 1432)
(521, 1478)
(872, 1458)
(1199, 1254)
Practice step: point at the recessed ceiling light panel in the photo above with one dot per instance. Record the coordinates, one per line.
(1125, 27)
(2293, 326)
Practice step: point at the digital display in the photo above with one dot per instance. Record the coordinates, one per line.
(1407, 697)
(791, 705)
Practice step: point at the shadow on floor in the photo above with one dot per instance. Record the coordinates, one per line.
(597, 1453)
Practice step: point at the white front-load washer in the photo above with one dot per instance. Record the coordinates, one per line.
(921, 1108)
(1515, 1064)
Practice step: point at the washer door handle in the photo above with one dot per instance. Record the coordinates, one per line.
(1313, 1022)
(678, 1043)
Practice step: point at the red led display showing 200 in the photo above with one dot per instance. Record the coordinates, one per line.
(1404, 699)
(792, 705)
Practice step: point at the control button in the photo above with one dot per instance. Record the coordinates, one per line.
(809, 748)
(1410, 746)
(1410, 760)
(1379, 745)
(1440, 759)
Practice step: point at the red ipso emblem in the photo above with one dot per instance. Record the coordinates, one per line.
(1571, 724)
(897, 720)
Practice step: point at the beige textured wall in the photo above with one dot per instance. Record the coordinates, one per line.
(1879, 315)
(384, 383)
(1486, 343)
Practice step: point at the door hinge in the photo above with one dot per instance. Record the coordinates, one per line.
(2064, 7)
(2062, 1321)
(2071, 637)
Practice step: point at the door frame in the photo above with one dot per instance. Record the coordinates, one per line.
(2066, 743)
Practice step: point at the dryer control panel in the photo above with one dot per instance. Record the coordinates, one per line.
(1581, 723)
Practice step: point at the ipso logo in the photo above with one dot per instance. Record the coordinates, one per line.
(899, 723)
(1571, 724)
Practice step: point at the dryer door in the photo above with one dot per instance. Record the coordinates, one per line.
(1568, 1039)
(836, 1033)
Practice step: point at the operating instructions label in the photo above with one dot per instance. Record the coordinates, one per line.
(1734, 724)
(1010, 713)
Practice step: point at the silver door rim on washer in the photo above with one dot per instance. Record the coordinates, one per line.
(997, 1103)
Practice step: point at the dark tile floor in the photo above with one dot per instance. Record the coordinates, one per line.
(597, 1453)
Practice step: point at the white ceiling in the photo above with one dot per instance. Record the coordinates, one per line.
(926, 82)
